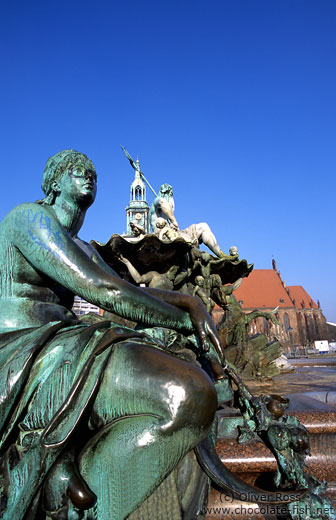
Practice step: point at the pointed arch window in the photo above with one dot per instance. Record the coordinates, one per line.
(286, 322)
(265, 324)
(138, 195)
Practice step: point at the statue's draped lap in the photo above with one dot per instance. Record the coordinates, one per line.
(48, 377)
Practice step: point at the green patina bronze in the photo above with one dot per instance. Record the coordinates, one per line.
(88, 391)
(96, 418)
(253, 356)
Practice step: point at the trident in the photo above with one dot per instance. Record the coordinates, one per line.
(137, 168)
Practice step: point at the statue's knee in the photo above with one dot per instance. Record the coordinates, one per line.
(205, 400)
(203, 227)
(179, 393)
(193, 402)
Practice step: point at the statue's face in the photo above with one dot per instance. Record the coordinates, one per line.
(161, 223)
(79, 184)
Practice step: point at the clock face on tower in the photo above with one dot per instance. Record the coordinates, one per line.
(138, 216)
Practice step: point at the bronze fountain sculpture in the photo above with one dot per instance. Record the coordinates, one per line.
(95, 415)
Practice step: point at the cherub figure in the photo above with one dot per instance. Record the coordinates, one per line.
(137, 230)
(233, 253)
(152, 278)
(169, 234)
(204, 295)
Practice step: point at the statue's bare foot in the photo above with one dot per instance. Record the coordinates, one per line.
(80, 494)
(65, 493)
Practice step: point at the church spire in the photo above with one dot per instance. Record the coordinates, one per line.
(137, 209)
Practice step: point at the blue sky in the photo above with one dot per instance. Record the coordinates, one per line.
(230, 101)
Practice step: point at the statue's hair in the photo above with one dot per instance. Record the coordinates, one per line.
(199, 279)
(55, 166)
(164, 187)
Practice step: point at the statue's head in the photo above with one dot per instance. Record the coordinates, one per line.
(161, 223)
(68, 163)
(199, 280)
(233, 250)
(165, 191)
(205, 257)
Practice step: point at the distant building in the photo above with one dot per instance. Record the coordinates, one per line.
(302, 321)
(81, 307)
(332, 330)
(137, 209)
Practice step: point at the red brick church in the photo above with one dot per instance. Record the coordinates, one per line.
(302, 320)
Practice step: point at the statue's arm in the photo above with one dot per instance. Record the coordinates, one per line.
(260, 314)
(35, 231)
(137, 277)
(181, 276)
(95, 256)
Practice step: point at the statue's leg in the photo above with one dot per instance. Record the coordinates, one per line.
(151, 409)
(208, 238)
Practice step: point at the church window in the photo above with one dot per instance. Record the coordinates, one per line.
(316, 326)
(138, 193)
(286, 322)
(265, 324)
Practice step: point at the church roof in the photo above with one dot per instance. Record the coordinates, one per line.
(301, 297)
(262, 288)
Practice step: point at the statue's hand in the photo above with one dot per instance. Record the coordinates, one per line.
(204, 327)
(194, 320)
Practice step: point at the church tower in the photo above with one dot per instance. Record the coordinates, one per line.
(137, 209)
